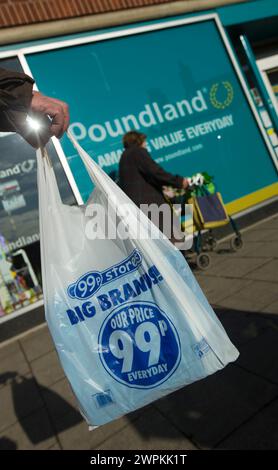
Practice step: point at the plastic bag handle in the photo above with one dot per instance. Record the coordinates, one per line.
(91, 166)
(46, 157)
(47, 182)
(96, 173)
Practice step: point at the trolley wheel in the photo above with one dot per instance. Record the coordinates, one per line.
(212, 242)
(203, 261)
(236, 243)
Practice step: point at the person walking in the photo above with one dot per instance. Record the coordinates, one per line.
(142, 179)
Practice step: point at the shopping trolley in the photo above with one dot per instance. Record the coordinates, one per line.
(209, 213)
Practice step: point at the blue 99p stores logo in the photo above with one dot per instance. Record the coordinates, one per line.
(139, 345)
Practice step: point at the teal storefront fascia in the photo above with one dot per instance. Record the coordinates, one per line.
(249, 183)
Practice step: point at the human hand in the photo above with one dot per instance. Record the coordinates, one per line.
(168, 191)
(57, 110)
(47, 117)
(185, 183)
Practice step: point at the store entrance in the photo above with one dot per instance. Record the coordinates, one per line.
(269, 70)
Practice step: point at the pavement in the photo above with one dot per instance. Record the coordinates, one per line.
(235, 408)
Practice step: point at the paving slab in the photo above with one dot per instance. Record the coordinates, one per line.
(267, 272)
(253, 296)
(244, 327)
(12, 360)
(60, 401)
(260, 356)
(18, 399)
(47, 369)
(6, 443)
(236, 267)
(37, 344)
(260, 250)
(254, 250)
(216, 288)
(259, 433)
(31, 433)
(149, 432)
(211, 409)
(216, 260)
(261, 233)
(271, 223)
(55, 447)
(78, 436)
(272, 308)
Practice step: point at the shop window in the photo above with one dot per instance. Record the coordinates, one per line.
(20, 273)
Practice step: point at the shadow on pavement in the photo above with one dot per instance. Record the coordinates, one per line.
(234, 408)
(22, 389)
(7, 444)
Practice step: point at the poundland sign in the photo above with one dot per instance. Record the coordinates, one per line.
(153, 114)
(178, 85)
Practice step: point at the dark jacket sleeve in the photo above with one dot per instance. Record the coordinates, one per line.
(154, 173)
(15, 99)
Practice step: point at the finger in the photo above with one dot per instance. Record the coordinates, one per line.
(66, 117)
(56, 128)
(56, 109)
(64, 106)
(57, 124)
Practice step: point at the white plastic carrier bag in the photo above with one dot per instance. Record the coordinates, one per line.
(128, 319)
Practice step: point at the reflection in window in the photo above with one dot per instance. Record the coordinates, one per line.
(273, 78)
(20, 273)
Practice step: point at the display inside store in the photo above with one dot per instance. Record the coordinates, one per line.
(19, 286)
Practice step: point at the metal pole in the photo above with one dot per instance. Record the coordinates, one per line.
(260, 83)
